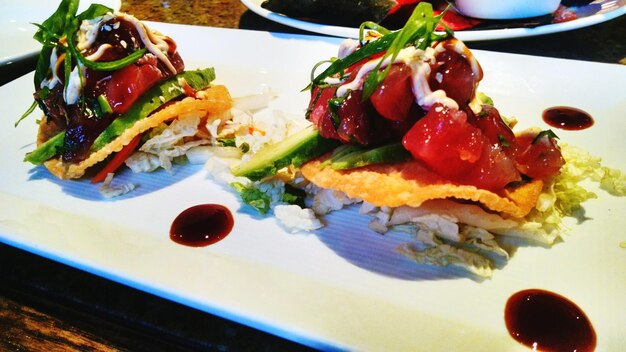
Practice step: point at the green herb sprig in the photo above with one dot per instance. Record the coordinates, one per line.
(419, 31)
(64, 23)
(545, 133)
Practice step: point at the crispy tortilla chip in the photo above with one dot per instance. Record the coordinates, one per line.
(213, 101)
(410, 183)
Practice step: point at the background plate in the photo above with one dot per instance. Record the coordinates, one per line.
(17, 29)
(343, 286)
(608, 10)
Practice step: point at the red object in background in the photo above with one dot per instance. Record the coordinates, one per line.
(457, 22)
(403, 9)
(563, 14)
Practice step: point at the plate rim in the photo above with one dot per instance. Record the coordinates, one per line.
(467, 36)
(264, 319)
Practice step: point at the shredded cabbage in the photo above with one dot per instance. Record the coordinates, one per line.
(445, 255)
(296, 218)
(443, 238)
(108, 190)
(461, 235)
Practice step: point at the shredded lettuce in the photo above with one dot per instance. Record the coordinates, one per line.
(482, 240)
(441, 235)
(581, 165)
(142, 162)
(108, 190)
(564, 196)
(445, 255)
(438, 240)
(166, 144)
(296, 218)
(484, 98)
(445, 239)
(253, 196)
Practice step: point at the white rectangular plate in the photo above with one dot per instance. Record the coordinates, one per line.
(17, 25)
(343, 286)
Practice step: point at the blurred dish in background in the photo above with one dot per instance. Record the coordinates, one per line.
(17, 20)
(571, 14)
(507, 9)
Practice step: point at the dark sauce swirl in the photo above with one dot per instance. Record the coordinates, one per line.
(546, 321)
(567, 118)
(202, 225)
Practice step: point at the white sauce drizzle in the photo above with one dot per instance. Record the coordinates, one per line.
(347, 47)
(88, 31)
(460, 48)
(54, 63)
(424, 96)
(419, 61)
(101, 49)
(74, 86)
(154, 42)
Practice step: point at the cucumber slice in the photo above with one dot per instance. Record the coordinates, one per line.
(390, 153)
(294, 150)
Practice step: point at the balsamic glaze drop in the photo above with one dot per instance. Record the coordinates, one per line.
(567, 118)
(202, 225)
(547, 321)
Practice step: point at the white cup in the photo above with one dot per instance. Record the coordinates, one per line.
(506, 9)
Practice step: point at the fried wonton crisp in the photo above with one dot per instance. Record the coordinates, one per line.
(411, 184)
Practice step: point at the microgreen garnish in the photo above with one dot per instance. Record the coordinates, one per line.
(49, 34)
(333, 107)
(545, 133)
(419, 31)
(317, 65)
(503, 141)
(253, 196)
(514, 184)
(45, 36)
(71, 25)
(62, 23)
(25, 114)
(340, 65)
(294, 195)
(371, 26)
(227, 142)
(109, 65)
(58, 32)
(484, 98)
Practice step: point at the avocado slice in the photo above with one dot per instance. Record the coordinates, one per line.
(390, 153)
(151, 100)
(143, 107)
(46, 150)
(294, 150)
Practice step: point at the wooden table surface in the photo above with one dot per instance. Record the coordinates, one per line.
(45, 305)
